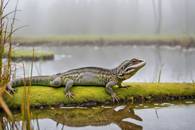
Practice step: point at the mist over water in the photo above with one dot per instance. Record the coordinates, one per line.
(60, 17)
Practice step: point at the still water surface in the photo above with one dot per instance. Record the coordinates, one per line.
(164, 116)
(175, 63)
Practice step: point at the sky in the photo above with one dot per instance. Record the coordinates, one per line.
(83, 17)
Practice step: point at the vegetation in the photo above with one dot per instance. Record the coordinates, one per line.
(37, 96)
(6, 31)
(28, 55)
(46, 96)
(182, 40)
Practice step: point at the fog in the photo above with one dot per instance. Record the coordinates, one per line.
(66, 17)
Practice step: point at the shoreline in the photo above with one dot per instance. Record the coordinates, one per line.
(186, 42)
(27, 55)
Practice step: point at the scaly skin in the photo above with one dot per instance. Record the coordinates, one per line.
(87, 76)
(34, 80)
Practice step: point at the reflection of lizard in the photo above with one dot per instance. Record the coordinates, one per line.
(79, 117)
(92, 76)
(98, 117)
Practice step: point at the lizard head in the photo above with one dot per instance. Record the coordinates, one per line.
(129, 67)
(56, 82)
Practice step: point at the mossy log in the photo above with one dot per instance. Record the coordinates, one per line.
(91, 95)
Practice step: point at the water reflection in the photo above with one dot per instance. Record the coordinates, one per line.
(157, 116)
(85, 117)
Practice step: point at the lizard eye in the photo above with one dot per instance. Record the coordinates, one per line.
(134, 60)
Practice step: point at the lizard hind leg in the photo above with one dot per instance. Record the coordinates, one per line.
(56, 82)
(69, 84)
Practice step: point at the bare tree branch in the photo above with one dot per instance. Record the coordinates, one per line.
(12, 12)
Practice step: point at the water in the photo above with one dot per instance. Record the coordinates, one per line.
(165, 116)
(177, 64)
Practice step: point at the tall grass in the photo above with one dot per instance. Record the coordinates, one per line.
(6, 31)
(25, 108)
(159, 75)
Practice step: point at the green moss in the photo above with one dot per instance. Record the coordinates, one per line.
(28, 55)
(53, 96)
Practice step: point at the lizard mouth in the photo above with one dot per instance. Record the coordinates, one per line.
(135, 67)
(138, 65)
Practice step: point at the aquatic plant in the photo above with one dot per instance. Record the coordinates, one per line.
(27, 55)
(159, 75)
(6, 31)
(25, 105)
(182, 40)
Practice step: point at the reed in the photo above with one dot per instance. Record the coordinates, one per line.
(6, 31)
(159, 76)
(25, 106)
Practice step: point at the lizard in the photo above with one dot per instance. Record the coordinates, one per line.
(85, 76)
(97, 76)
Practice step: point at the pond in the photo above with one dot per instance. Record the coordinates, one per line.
(175, 63)
(157, 116)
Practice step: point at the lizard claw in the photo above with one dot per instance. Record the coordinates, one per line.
(10, 90)
(69, 95)
(115, 98)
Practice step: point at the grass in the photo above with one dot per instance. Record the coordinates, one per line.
(98, 37)
(6, 32)
(28, 55)
(36, 40)
(47, 96)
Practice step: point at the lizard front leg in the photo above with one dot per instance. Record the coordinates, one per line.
(69, 84)
(110, 91)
